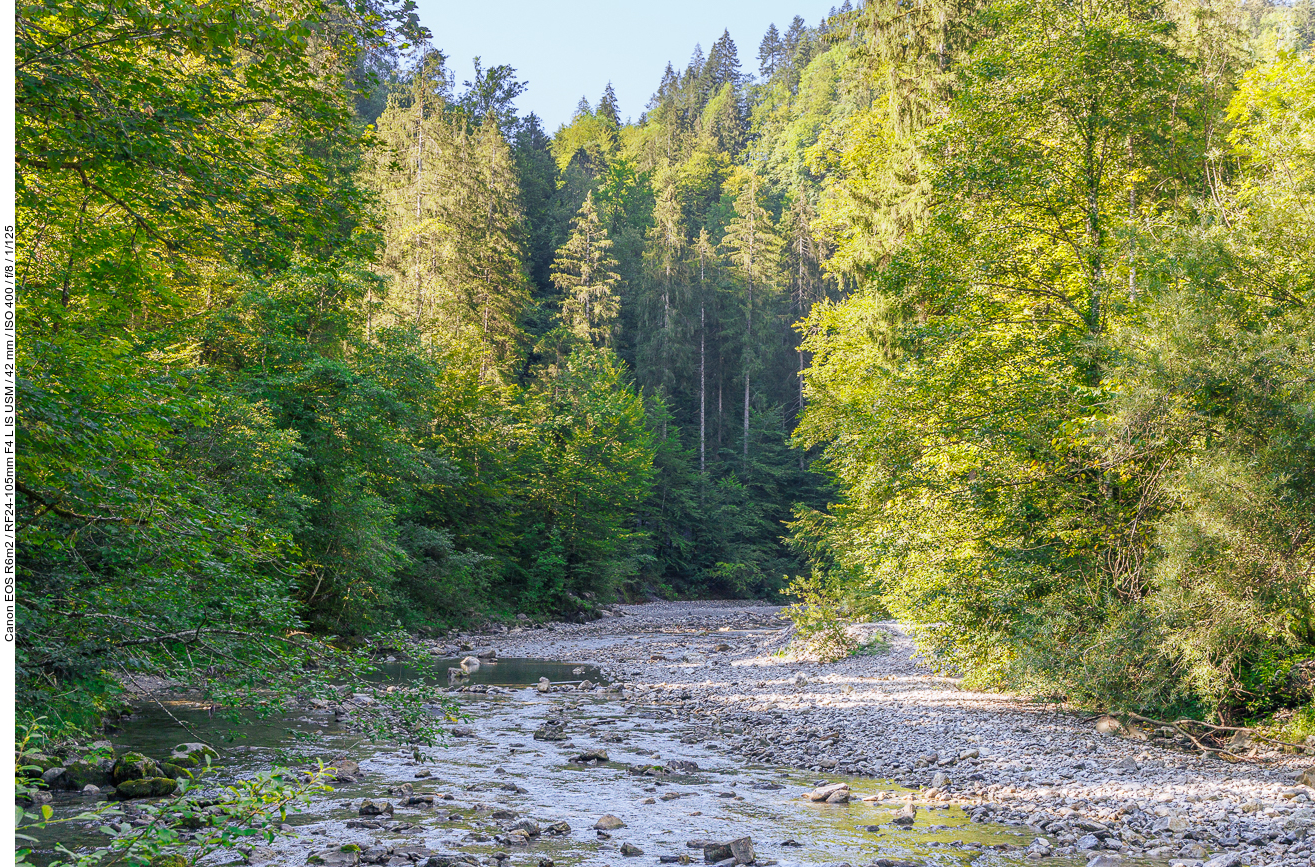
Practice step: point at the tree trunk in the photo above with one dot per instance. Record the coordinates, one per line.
(703, 381)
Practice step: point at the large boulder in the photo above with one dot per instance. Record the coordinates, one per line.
(175, 772)
(83, 773)
(191, 755)
(150, 787)
(134, 766)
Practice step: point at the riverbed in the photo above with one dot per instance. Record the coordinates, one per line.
(493, 774)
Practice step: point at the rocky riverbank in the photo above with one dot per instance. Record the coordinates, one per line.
(726, 668)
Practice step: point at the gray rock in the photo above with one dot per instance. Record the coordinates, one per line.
(1105, 859)
(906, 815)
(1127, 763)
(630, 850)
(345, 770)
(591, 755)
(742, 850)
(1228, 859)
(55, 778)
(470, 664)
(1088, 842)
(716, 853)
(608, 822)
(370, 808)
(940, 780)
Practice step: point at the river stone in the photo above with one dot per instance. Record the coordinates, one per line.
(175, 772)
(529, 826)
(551, 730)
(56, 778)
(715, 853)
(345, 770)
(905, 816)
(462, 731)
(558, 829)
(940, 780)
(370, 808)
(630, 850)
(544, 685)
(591, 755)
(608, 822)
(835, 793)
(470, 664)
(134, 766)
(42, 761)
(1108, 725)
(336, 858)
(149, 787)
(1226, 860)
(742, 850)
(682, 766)
(1088, 841)
(195, 751)
(1105, 859)
(82, 774)
(517, 838)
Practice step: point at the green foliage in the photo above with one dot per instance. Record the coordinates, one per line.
(218, 820)
(1066, 409)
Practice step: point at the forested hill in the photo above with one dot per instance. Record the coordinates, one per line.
(992, 315)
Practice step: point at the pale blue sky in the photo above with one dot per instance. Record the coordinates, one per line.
(566, 50)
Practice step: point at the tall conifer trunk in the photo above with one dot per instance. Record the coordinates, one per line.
(703, 384)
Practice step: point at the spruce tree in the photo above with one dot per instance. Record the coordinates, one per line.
(608, 108)
(771, 52)
(585, 273)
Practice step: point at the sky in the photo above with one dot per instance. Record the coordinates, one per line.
(566, 49)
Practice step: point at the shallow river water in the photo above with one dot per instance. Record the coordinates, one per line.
(502, 768)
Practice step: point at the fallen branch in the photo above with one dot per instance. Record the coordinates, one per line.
(1180, 726)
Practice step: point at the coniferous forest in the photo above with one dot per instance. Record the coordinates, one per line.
(996, 317)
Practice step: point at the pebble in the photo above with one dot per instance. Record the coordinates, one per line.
(1002, 759)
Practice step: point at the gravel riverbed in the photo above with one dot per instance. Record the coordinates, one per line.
(728, 668)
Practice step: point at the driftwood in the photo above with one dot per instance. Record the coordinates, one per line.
(1203, 730)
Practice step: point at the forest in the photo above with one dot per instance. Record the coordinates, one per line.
(991, 316)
